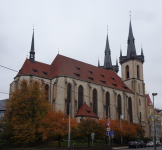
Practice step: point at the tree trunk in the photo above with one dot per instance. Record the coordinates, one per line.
(88, 141)
(59, 142)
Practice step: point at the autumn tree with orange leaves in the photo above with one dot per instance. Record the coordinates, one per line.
(24, 112)
(86, 127)
(55, 126)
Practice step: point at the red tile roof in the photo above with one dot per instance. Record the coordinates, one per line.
(148, 100)
(85, 111)
(64, 66)
(28, 67)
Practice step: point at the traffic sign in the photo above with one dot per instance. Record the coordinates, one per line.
(108, 133)
(112, 134)
(108, 129)
(93, 134)
(108, 124)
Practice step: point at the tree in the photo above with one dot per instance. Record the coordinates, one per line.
(128, 130)
(24, 111)
(55, 126)
(86, 127)
(139, 130)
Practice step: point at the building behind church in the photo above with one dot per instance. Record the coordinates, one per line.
(68, 80)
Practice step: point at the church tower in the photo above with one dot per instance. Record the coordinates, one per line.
(132, 66)
(107, 60)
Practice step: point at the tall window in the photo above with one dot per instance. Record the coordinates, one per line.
(95, 101)
(80, 96)
(119, 106)
(130, 109)
(46, 91)
(107, 103)
(137, 71)
(140, 117)
(127, 71)
(139, 102)
(68, 97)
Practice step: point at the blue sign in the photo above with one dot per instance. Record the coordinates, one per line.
(112, 132)
(108, 133)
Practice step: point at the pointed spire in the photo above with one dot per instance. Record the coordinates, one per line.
(120, 51)
(141, 51)
(116, 62)
(131, 50)
(107, 61)
(32, 52)
(98, 62)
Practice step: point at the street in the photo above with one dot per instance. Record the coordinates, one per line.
(147, 148)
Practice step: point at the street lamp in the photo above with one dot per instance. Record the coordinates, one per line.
(154, 94)
(108, 118)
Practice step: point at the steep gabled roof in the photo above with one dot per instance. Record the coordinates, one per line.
(36, 68)
(64, 66)
(85, 111)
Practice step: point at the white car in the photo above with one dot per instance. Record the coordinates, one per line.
(150, 143)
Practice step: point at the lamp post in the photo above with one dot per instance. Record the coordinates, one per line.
(121, 117)
(108, 118)
(154, 94)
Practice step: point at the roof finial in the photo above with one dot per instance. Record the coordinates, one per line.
(33, 27)
(130, 14)
(58, 50)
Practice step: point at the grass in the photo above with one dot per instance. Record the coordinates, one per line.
(54, 144)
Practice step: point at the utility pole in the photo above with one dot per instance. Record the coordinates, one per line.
(108, 122)
(108, 119)
(154, 94)
(121, 128)
(69, 126)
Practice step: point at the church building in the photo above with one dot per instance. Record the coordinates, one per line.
(91, 89)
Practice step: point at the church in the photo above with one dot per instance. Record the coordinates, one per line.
(92, 89)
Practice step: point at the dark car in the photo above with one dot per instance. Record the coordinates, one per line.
(134, 144)
(141, 144)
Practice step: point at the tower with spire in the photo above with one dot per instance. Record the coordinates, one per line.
(132, 66)
(32, 52)
(107, 60)
(131, 49)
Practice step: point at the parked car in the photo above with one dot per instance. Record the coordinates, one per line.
(150, 143)
(141, 143)
(158, 143)
(134, 144)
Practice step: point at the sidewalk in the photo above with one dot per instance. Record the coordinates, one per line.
(122, 147)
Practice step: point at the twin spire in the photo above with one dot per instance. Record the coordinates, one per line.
(131, 49)
(107, 60)
(32, 52)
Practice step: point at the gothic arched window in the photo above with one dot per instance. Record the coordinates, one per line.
(68, 97)
(46, 91)
(127, 71)
(130, 109)
(95, 101)
(140, 117)
(107, 103)
(137, 71)
(119, 106)
(80, 96)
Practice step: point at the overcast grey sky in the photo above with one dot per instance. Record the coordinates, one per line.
(79, 28)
